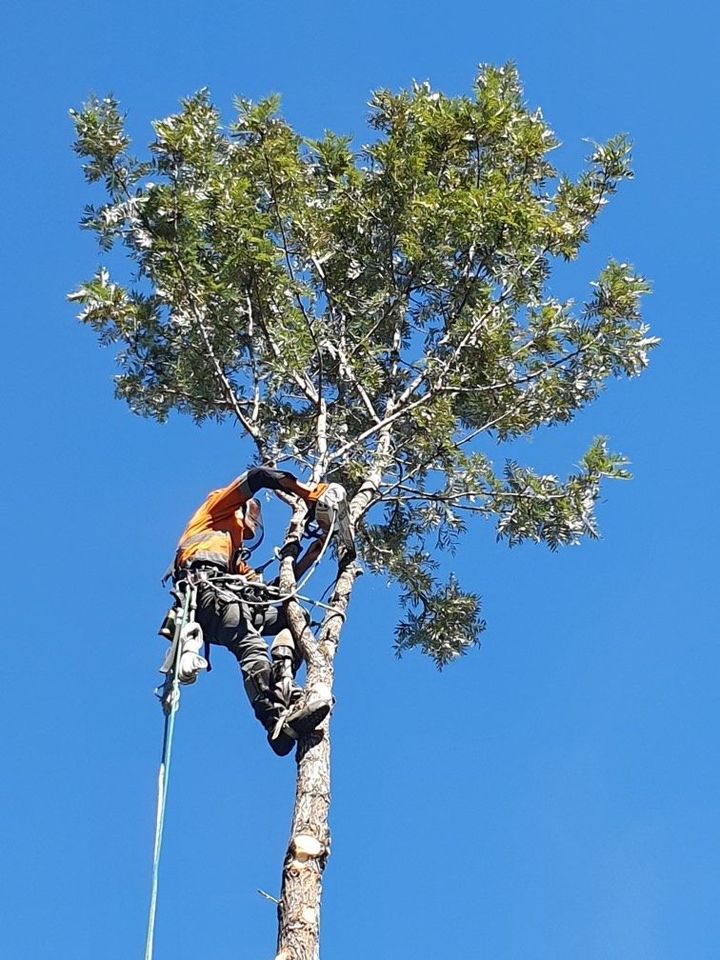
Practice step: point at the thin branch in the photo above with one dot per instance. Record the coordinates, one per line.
(412, 493)
(401, 403)
(267, 896)
(291, 271)
(451, 390)
(253, 361)
(457, 350)
(248, 425)
(219, 403)
(404, 294)
(321, 439)
(198, 312)
(467, 507)
(347, 371)
(428, 461)
(305, 385)
(230, 394)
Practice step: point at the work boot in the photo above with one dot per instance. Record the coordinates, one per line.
(294, 720)
(284, 723)
(283, 690)
(299, 721)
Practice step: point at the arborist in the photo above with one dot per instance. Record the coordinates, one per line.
(235, 608)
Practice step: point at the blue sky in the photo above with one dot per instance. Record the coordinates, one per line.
(554, 795)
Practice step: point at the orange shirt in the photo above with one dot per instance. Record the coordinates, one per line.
(216, 530)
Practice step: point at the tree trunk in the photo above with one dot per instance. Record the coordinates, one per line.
(309, 845)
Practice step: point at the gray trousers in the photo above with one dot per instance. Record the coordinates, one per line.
(230, 622)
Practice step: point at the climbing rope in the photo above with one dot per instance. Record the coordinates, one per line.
(170, 698)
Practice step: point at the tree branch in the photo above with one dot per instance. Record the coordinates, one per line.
(305, 384)
(299, 627)
(291, 272)
(347, 371)
(248, 425)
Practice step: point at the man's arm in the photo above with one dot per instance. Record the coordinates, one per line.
(303, 563)
(263, 478)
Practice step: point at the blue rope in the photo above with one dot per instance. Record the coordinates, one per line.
(171, 689)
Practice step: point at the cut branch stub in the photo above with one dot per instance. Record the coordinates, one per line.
(305, 847)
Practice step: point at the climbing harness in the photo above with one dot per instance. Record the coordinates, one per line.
(239, 583)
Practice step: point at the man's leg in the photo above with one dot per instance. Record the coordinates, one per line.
(285, 664)
(227, 622)
(286, 659)
(284, 656)
(232, 624)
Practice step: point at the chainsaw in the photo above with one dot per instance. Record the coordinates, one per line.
(333, 513)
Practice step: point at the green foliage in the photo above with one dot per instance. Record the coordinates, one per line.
(375, 315)
(444, 627)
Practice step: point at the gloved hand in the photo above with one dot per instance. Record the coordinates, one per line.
(317, 491)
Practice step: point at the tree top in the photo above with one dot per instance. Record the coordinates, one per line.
(379, 315)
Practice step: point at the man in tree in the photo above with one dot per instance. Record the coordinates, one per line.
(235, 608)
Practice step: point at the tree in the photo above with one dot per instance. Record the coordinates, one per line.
(375, 317)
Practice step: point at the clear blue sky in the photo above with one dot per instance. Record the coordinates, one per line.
(554, 796)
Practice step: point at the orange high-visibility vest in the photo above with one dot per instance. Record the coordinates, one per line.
(217, 529)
